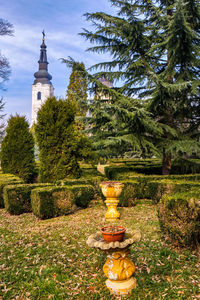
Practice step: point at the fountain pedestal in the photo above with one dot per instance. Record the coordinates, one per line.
(111, 190)
(118, 267)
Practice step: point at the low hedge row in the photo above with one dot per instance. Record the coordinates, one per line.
(154, 190)
(94, 181)
(6, 179)
(17, 198)
(148, 178)
(130, 194)
(48, 202)
(146, 167)
(179, 217)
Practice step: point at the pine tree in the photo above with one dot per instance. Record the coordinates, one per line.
(77, 88)
(155, 53)
(60, 143)
(119, 125)
(17, 149)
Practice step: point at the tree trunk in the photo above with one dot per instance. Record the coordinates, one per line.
(166, 163)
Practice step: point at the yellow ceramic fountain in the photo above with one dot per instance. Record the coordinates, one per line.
(118, 267)
(111, 190)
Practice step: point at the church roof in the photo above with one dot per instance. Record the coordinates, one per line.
(42, 74)
(106, 82)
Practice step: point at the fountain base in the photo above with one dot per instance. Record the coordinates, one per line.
(120, 288)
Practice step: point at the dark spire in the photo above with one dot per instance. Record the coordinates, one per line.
(42, 74)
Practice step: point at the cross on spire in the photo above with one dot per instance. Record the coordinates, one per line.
(43, 33)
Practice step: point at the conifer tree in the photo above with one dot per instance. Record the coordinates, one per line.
(119, 125)
(17, 149)
(61, 145)
(155, 53)
(77, 88)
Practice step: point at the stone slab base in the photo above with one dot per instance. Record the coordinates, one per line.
(121, 287)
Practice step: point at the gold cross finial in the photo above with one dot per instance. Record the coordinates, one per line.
(43, 34)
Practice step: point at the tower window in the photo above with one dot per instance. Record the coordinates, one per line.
(39, 95)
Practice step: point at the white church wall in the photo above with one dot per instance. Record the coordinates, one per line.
(46, 91)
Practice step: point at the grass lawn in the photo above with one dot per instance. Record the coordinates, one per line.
(50, 259)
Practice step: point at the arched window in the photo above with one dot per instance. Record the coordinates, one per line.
(39, 95)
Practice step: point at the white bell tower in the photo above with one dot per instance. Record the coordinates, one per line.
(42, 87)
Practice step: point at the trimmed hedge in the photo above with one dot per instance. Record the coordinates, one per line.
(156, 189)
(124, 171)
(83, 195)
(6, 179)
(49, 202)
(89, 180)
(149, 167)
(17, 198)
(147, 178)
(71, 181)
(179, 217)
(130, 193)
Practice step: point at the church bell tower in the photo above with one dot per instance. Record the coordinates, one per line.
(42, 87)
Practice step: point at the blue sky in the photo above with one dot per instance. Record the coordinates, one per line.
(62, 20)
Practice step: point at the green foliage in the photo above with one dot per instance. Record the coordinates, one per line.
(179, 216)
(49, 202)
(156, 189)
(7, 179)
(119, 125)
(130, 193)
(60, 143)
(77, 88)
(135, 168)
(83, 195)
(154, 48)
(71, 181)
(17, 149)
(17, 198)
(2, 125)
(89, 176)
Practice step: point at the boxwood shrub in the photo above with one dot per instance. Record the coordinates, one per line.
(156, 189)
(150, 167)
(52, 201)
(49, 202)
(89, 180)
(6, 179)
(179, 217)
(17, 198)
(130, 193)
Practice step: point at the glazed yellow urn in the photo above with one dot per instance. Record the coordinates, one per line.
(118, 268)
(111, 190)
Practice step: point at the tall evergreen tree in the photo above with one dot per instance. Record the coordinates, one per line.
(61, 145)
(77, 88)
(17, 149)
(119, 125)
(155, 53)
